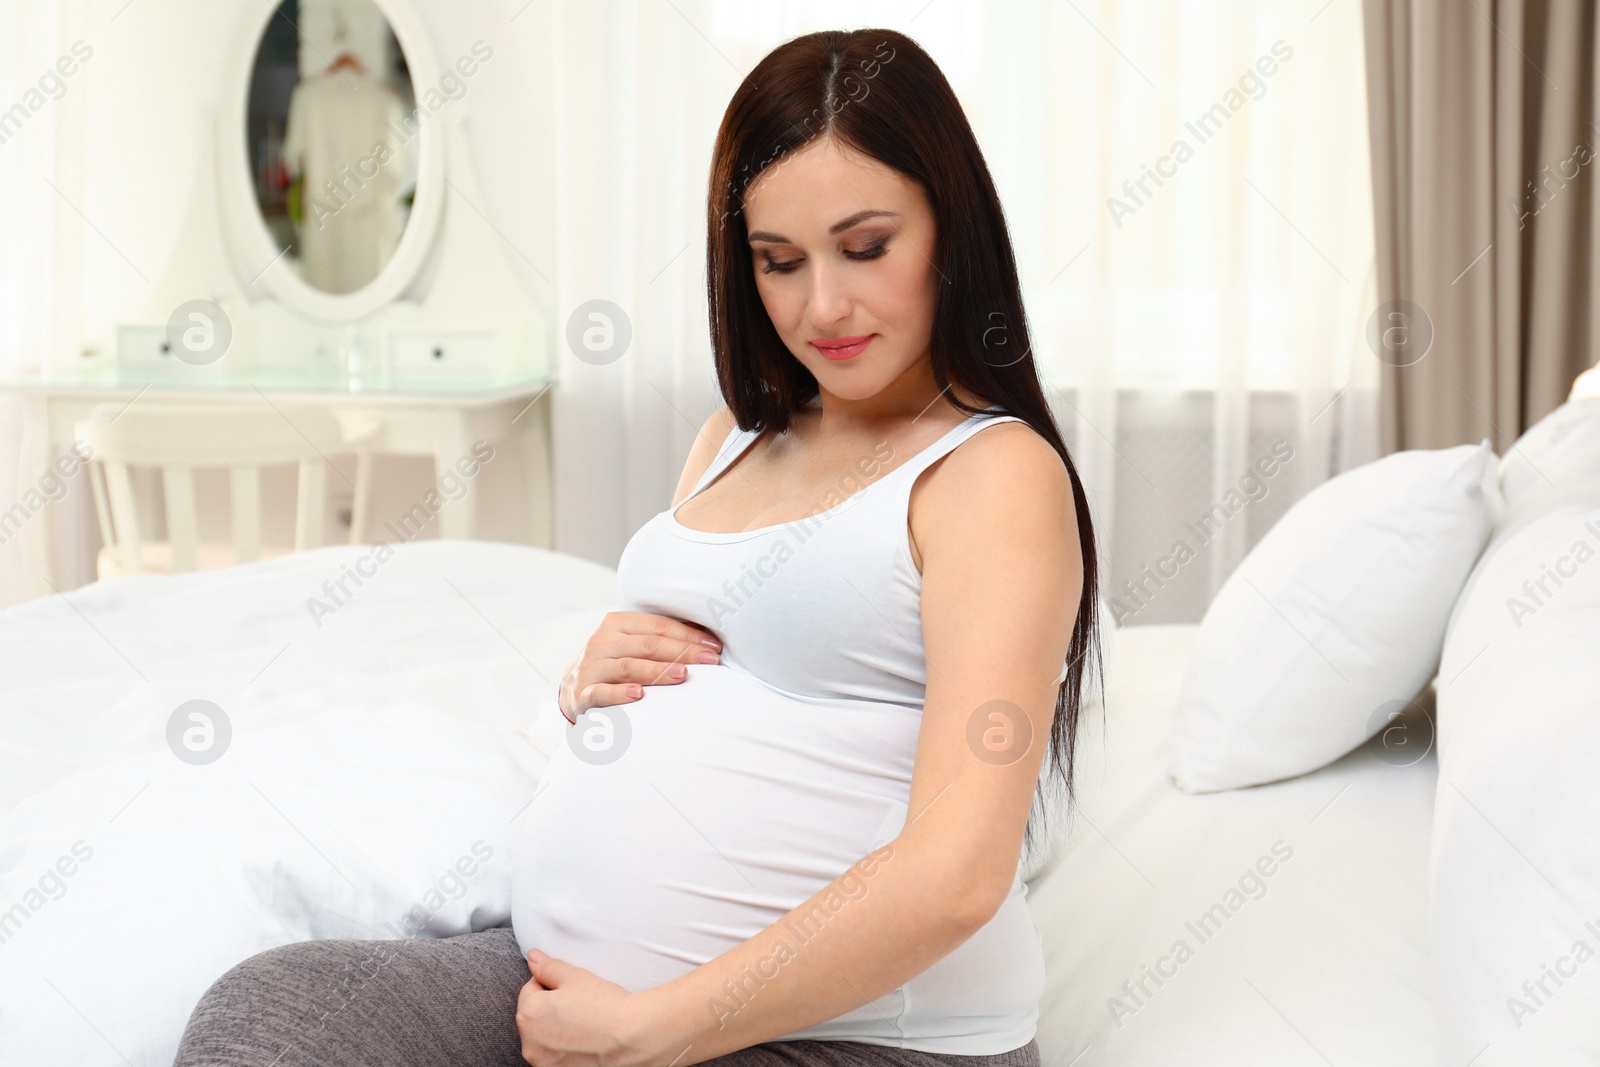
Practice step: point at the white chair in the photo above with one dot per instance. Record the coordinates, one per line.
(178, 438)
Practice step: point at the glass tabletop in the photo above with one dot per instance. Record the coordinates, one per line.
(272, 381)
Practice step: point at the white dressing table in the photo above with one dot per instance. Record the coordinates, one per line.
(440, 421)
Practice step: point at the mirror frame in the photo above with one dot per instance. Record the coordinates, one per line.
(239, 197)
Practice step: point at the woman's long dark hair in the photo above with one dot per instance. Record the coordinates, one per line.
(880, 93)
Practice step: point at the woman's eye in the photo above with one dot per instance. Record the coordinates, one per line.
(787, 266)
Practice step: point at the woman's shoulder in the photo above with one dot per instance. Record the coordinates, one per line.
(1002, 495)
(1008, 448)
(707, 443)
(1000, 462)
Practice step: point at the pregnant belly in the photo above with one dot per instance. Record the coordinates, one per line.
(729, 804)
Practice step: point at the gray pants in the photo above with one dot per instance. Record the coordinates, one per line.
(447, 1002)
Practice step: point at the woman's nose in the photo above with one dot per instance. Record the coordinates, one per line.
(830, 303)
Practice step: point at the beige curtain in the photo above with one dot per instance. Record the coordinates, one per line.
(1484, 145)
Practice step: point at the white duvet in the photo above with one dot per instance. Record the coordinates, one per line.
(376, 766)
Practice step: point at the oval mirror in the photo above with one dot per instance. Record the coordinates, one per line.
(331, 136)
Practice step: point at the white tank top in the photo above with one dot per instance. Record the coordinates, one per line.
(745, 789)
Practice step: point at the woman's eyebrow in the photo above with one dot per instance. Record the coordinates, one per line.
(838, 227)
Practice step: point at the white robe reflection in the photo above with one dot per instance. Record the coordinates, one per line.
(347, 136)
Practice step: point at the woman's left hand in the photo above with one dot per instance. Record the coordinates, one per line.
(570, 1017)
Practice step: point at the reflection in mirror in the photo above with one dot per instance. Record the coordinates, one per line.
(332, 138)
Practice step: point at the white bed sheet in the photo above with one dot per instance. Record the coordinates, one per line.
(1326, 961)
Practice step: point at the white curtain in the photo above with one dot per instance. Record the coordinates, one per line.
(41, 144)
(1185, 328)
(1195, 334)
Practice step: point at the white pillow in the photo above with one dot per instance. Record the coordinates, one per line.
(1334, 619)
(1515, 874)
(1586, 385)
(1554, 463)
(1554, 456)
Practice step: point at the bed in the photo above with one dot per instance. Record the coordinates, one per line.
(1300, 906)
(381, 733)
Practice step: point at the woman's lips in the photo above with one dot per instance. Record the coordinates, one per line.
(843, 347)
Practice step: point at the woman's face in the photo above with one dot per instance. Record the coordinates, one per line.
(843, 249)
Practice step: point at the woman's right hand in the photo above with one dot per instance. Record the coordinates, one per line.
(628, 651)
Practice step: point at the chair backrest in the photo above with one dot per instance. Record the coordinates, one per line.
(178, 438)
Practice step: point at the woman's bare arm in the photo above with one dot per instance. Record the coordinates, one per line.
(1002, 576)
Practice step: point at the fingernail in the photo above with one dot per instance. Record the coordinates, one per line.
(535, 956)
(675, 671)
(635, 691)
(708, 657)
(711, 642)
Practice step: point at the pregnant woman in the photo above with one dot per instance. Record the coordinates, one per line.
(807, 754)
